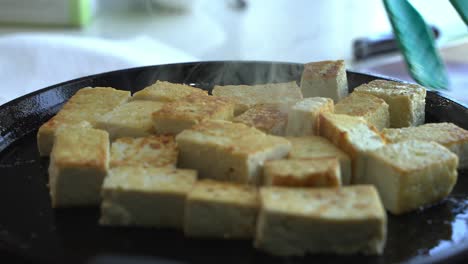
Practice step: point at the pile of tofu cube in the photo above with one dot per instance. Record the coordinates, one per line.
(297, 169)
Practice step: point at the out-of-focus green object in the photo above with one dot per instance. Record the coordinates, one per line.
(81, 12)
(416, 42)
(75, 13)
(462, 8)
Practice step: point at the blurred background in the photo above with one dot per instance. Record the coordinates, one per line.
(43, 42)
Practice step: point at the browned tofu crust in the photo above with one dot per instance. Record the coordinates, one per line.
(163, 91)
(195, 107)
(269, 118)
(88, 104)
(150, 151)
(328, 69)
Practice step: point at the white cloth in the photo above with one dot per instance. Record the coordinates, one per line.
(31, 61)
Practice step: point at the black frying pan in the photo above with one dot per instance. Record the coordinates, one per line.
(32, 232)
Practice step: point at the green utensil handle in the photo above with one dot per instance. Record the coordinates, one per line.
(462, 8)
(416, 43)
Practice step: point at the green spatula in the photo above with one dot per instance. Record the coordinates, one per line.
(462, 8)
(416, 42)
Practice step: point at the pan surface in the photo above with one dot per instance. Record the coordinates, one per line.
(32, 232)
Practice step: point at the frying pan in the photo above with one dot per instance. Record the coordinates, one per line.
(32, 232)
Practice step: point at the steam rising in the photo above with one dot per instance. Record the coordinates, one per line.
(205, 75)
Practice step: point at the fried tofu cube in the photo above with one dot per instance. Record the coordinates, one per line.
(174, 117)
(221, 210)
(223, 150)
(149, 197)
(298, 221)
(411, 174)
(315, 147)
(325, 79)
(163, 91)
(303, 116)
(78, 164)
(150, 151)
(354, 136)
(372, 108)
(269, 118)
(406, 101)
(449, 135)
(319, 172)
(132, 119)
(88, 104)
(246, 96)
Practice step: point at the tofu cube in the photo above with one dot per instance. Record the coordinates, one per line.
(132, 119)
(298, 221)
(149, 197)
(406, 101)
(315, 147)
(150, 151)
(246, 96)
(269, 118)
(303, 116)
(78, 164)
(174, 117)
(449, 135)
(223, 150)
(411, 174)
(221, 210)
(319, 172)
(163, 91)
(325, 79)
(354, 136)
(86, 105)
(372, 108)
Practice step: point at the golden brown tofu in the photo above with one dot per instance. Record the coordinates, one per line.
(449, 135)
(298, 221)
(315, 147)
(406, 101)
(221, 210)
(269, 118)
(354, 136)
(78, 164)
(372, 108)
(411, 174)
(150, 197)
(319, 172)
(228, 151)
(88, 104)
(163, 91)
(174, 117)
(132, 119)
(150, 151)
(246, 96)
(325, 79)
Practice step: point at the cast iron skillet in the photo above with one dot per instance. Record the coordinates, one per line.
(31, 231)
